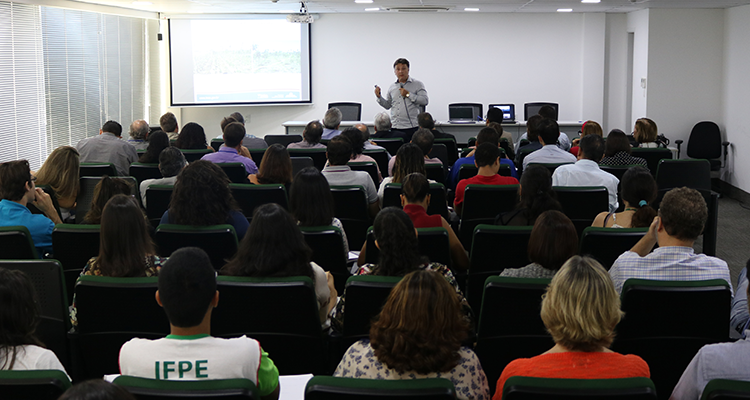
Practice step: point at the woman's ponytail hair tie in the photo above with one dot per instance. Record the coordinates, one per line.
(642, 203)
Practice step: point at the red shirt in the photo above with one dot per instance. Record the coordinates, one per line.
(574, 365)
(420, 219)
(481, 180)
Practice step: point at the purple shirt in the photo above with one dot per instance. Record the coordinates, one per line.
(229, 155)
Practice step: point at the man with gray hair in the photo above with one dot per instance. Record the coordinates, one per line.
(383, 128)
(331, 122)
(138, 132)
(171, 162)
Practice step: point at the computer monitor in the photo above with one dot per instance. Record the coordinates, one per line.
(464, 112)
(509, 111)
(530, 109)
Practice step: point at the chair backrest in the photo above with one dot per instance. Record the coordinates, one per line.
(497, 319)
(466, 171)
(318, 156)
(299, 163)
(550, 166)
(141, 172)
(365, 297)
(606, 244)
(16, 243)
(482, 203)
(73, 245)
(381, 158)
(438, 205)
(440, 152)
(704, 141)
(433, 244)
(350, 206)
(219, 389)
(235, 171)
(335, 388)
(157, 201)
(97, 169)
(257, 155)
(216, 143)
(327, 246)
(86, 193)
(582, 203)
(726, 389)
(526, 388)
(451, 147)
(219, 241)
(194, 154)
(35, 384)
(349, 111)
(617, 170)
(366, 166)
(390, 144)
(694, 174)
(652, 156)
(436, 172)
(250, 197)
(530, 109)
(283, 140)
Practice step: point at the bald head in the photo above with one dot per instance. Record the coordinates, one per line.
(364, 129)
(139, 129)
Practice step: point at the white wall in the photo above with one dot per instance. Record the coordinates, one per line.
(638, 25)
(736, 88)
(486, 58)
(615, 74)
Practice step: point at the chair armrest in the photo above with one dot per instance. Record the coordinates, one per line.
(726, 151)
(679, 143)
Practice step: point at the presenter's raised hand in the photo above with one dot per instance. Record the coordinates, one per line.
(377, 91)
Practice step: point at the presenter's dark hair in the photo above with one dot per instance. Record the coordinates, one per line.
(124, 241)
(553, 240)
(157, 141)
(112, 127)
(424, 139)
(409, 159)
(547, 111)
(488, 135)
(425, 121)
(617, 141)
(192, 137)
(639, 185)
(96, 389)
(495, 114)
(19, 315)
(399, 248)
(13, 178)
(486, 154)
(549, 131)
(201, 196)
(532, 127)
(310, 198)
(276, 166)
(272, 247)
(313, 132)
(339, 150)
(103, 192)
(401, 61)
(537, 195)
(356, 138)
(187, 284)
(592, 147)
(233, 134)
(415, 187)
(171, 162)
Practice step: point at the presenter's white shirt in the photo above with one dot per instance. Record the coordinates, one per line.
(30, 357)
(587, 173)
(191, 358)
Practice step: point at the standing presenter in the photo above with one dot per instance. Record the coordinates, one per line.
(406, 98)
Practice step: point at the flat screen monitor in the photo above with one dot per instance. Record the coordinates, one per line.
(509, 111)
(461, 114)
(533, 109)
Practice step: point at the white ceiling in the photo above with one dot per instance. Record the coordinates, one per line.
(349, 6)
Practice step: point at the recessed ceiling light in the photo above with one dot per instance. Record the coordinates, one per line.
(142, 3)
(471, 9)
(372, 9)
(591, 1)
(564, 10)
(363, 1)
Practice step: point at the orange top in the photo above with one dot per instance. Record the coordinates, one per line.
(574, 365)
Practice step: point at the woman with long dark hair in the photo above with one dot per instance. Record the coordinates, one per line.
(638, 191)
(192, 137)
(536, 196)
(202, 197)
(20, 349)
(418, 335)
(275, 167)
(311, 202)
(157, 141)
(274, 247)
(103, 191)
(409, 159)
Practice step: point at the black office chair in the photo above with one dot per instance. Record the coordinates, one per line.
(451, 147)
(606, 244)
(435, 172)
(582, 204)
(219, 241)
(335, 388)
(390, 144)
(381, 158)
(34, 384)
(16, 243)
(257, 155)
(617, 170)
(726, 389)
(300, 163)
(157, 202)
(433, 244)
(73, 245)
(87, 185)
(550, 166)
(652, 156)
(318, 156)
(705, 143)
(365, 297)
(530, 109)
(438, 204)
(208, 389)
(141, 172)
(195, 154)
(482, 203)
(349, 111)
(527, 388)
(367, 166)
(694, 174)
(97, 169)
(327, 245)
(440, 152)
(249, 197)
(283, 140)
(216, 143)
(236, 172)
(466, 171)
(351, 207)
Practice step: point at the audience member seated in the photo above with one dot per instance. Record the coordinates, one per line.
(409, 159)
(139, 130)
(61, 172)
(418, 335)
(368, 144)
(108, 147)
(192, 137)
(638, 192)
(168, 124)
(232, 151)
(249, 141)
(495, 116)
(275, 167)
(487, 159)
(17, 190)
(201, 197)
(357, 139)
(424, 140)
(535, 197)
(96, 389)
(20, 349)
(486, 135)
(382, 126)
(645, 133)
(617, 151)
(396, 238)
(580, 310)
(310, 137)
(424, 120)
(682, 216)
(274, 247)
(505, 143)
(740, 316)
(415, 199)
(531, 143)
(331, 123)
(103, 191)
(187, 292)
(550, 153)
(338, 173)
(586, 171)
(171, 162)
(589, 128)
(157, 142)
(311, 202)
(125, 246)
(552, 242)
(562, 140)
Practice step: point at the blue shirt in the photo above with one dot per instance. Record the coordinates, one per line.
(453, 178)
(40, 227)
(329, 134)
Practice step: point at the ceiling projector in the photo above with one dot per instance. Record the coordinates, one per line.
(301, 18)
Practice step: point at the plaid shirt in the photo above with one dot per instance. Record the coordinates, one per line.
(671, 263)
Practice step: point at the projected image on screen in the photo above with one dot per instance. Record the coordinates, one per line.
(239, 61)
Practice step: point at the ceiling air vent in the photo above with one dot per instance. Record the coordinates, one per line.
(418, 9)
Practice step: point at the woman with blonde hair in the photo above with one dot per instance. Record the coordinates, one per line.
(60, 172)
(580, 310)
(418, 335)
(645, 133)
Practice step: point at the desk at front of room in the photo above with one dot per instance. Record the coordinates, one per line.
(462, 132)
